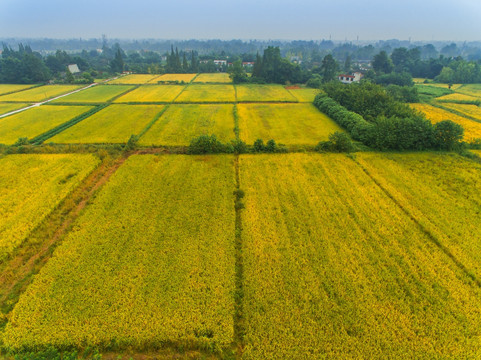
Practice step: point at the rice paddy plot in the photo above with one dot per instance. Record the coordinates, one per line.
(290, 124)
(30, 188)
(150, 263)
(134, 79)
(304, 94)
(36, 121)
(180, 123)
(466, 109)
(151, 94)
(8, 88)
(470, 89)
(334, 269)
(39, 94)
(8, 107)
(213, 78)
(112, 125)
(198, 93)
(186, 78)
(262, 93)
(96, 94)
(457, 97)
(472, 129)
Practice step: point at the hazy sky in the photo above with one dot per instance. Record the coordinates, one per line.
(243, 19)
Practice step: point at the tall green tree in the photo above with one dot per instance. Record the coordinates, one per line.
(257, 69)
(237, 73)
(117, 64)
(382, 63)
(329, 68)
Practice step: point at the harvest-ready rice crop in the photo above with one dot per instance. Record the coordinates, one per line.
(466, 109)
(134, 79)
(7, 107)
(443, 194)
(457, 97)
(150, 262)
(8, 88)
(176, 77)
(114, 124)
(334, 269)
(254, 92)
(180, 123)
(213, 78)
(96, 94)
(304, 94)
(30, 188)
(207, 93)
(472, 129)
(290, 124)
(470, 89)
(40, 93)
(36, 121)
(151, 93)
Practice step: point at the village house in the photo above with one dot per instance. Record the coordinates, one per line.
(348, 79)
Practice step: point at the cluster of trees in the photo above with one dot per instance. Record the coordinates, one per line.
(23, 66)
(371, 115)
(175, 65)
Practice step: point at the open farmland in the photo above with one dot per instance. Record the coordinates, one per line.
(456, 97)
(263, 93)
(114, 124)
(443, 194)
(134, 79)
(36, 121)
(186, 78)
(304, 94)
(470, 89)
(180, 123)
(149, 263)
(30, 187)
(96, 94)
(151, 94)
(7, 107)
(197, 93)
(472, 129)
(333, 268)
(9, 88)
(290, 124)
(40, 93)
(466, 109)
(213, 78)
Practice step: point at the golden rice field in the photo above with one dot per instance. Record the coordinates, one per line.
(472, 129)
(466, 109)
(8, 88)
(213, 78)
(290, 124)
(151, 93)
(334, 269)
(471, 89)
(197, 93)
(304, 94)
(96, 94)
(36, 121)
(457, 97)
(176, 77)
(7, 107)
(112, 125)
(40, 93)
(260, 93)
(31, 186)
(443, 194)
(149, 263)
(180, 123)
(134, 79)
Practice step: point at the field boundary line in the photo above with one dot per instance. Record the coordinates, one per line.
(16, 91)
(455, 112)
(428, 233)
(153, 121)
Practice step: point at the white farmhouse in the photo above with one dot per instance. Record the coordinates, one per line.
(348, 79)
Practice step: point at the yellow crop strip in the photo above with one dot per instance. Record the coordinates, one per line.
(470, 89)
(114, 124)
(176, 77)
(150, 262)
(30, 188)
(152, 93)
(7, 107)
(466, 109)
(39, 94)
(304, 95)
(333, 268)
(290, 124)
(264, 93)
(442, 192)
(96, 94)
(207, 93)
(213, 78)
(472, 129)
(33, 122)
(134, 79)
(457, 97)
(7, 88)
(181, 123)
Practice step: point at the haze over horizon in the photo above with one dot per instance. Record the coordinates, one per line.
(429, 20)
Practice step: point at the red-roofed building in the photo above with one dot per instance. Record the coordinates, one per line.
(348, 79)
